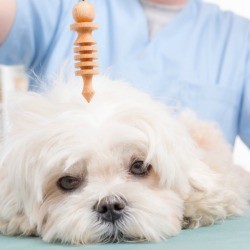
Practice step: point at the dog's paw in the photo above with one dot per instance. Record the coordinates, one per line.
(190, 223)
(17, 226)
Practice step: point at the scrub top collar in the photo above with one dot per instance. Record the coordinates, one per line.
(172, 27)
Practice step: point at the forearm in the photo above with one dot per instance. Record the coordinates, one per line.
(7, 16)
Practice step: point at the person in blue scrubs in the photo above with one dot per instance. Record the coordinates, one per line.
(200, 59)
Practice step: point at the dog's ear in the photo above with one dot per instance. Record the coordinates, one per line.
(23, 112)
(13, 219)
(216, 152)
(218, 188)
(215, 155)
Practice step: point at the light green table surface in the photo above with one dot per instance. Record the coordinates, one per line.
(232, 234)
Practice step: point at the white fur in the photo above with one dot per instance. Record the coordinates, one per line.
(193, 183)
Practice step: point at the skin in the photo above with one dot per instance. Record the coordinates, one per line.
(7, 16)
(170, 2)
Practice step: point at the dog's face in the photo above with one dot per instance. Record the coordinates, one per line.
(100, 187)
(112, 170)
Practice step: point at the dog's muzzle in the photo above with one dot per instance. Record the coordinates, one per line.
(110, 208)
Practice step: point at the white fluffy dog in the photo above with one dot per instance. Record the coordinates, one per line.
(121, 168)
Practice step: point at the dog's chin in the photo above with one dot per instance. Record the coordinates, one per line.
(118, 237)
(115, 233)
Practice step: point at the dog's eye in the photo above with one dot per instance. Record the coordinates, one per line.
(68, 183)
(138, 168)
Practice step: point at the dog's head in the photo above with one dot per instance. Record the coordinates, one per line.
(113, 170)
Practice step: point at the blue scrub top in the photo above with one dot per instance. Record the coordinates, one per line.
(200, 60)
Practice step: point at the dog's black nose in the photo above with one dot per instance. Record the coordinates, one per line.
(110, 208)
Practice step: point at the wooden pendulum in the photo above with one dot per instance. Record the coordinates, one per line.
(85, 47)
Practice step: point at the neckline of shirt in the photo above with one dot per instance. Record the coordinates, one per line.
(185, 14)
(163, 7)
